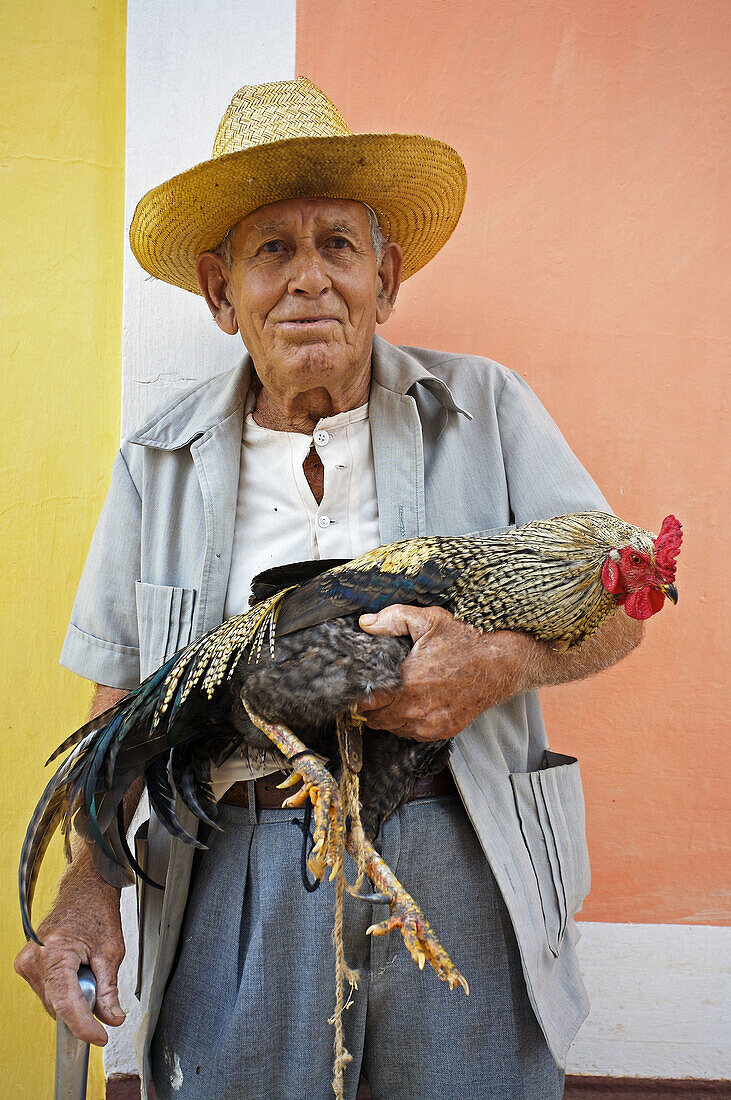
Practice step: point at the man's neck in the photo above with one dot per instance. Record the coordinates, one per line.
(301, 412)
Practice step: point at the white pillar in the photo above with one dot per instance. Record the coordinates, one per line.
(185, 60)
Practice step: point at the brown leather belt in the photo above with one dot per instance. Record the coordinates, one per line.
(269, 798)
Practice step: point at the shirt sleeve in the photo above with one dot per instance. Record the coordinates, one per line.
(102, 641)
(544, 476)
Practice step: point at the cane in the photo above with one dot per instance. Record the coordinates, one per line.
(72, 1054)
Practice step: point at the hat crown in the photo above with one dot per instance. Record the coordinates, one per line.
(263, 113)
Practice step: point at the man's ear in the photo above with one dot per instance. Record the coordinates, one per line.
(212, 275)
(389, 275)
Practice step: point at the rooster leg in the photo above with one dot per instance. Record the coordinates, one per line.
(319, 786)
(409, 919)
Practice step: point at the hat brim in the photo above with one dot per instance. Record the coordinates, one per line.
(415, 184)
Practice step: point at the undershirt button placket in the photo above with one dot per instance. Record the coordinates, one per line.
(328, 445)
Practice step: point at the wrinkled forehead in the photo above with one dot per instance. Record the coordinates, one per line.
(304, 215)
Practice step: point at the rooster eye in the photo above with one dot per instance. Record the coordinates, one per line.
(635, 559)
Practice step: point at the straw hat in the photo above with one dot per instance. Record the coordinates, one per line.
(287, 140)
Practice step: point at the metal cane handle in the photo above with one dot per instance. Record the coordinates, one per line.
(72, 1054)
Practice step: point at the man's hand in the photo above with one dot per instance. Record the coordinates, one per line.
(84, 927)
(452, 674)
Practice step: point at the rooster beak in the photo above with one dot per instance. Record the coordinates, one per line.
(670, 591)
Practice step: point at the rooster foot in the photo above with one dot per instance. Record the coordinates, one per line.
(319, 786)
(407, 917)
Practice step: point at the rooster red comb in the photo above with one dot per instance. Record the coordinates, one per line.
(667, 546)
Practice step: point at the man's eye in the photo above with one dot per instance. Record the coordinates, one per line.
(338, 242)
(272, 246)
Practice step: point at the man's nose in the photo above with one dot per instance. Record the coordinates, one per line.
(308, 275)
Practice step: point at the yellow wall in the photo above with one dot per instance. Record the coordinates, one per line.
(61, 216)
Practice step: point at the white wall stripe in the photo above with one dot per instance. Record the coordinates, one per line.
(185, 59)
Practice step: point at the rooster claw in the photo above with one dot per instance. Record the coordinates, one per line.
(423, 945)
(292, 778)
(405, 917)
(376, 899)
(319, 786)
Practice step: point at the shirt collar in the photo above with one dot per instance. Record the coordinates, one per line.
(396, 370)
(213, 401)
(196, 411)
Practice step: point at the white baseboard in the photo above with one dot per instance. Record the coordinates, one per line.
(660, 998)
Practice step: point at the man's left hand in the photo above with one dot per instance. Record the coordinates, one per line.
(452, 674)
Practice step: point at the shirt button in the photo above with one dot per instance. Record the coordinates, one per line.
(324, 521)
(321, 437)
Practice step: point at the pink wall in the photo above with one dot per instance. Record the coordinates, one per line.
(590, 258)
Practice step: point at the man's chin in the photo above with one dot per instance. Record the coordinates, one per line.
(318, 357)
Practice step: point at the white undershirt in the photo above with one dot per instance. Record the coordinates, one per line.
(279, 521)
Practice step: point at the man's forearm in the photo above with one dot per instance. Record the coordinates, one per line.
(104, 698)
(84, 895)
(454, 672)
(614, 639)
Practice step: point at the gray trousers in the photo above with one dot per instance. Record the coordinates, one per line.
(246, 1009)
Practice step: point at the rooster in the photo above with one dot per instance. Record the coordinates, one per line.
(290, 672)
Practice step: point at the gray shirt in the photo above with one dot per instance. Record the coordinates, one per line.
(460, 444)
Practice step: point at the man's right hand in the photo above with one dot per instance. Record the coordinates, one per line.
(84, 927)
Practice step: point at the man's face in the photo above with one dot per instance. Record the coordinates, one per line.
(307, 292)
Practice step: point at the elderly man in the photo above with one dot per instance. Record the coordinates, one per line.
(325, 442)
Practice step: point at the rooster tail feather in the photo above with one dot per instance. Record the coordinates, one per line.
(146, 690)
(109, 858)
(131, 859)
(93, 768)
(182, 769)
(94, 725)
(135, 718)
(95, 838)
(52, 810)
(162, 801)
(203, 788)
(43, 824)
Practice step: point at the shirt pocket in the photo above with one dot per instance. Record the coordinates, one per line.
(550, 805)
(164, 620)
